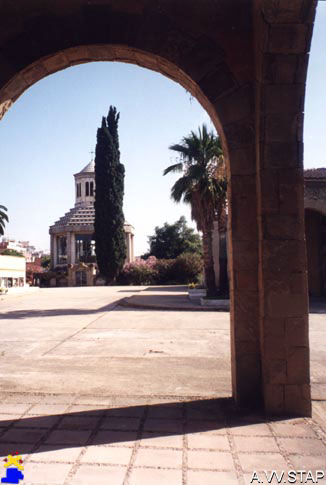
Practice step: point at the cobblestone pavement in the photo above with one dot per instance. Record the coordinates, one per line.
(70, 440)
(146, 397)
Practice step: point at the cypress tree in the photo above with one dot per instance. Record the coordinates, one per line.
(109, 219)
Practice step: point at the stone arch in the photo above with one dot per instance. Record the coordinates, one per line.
(248, 71)
(317, 205)
(315, 229)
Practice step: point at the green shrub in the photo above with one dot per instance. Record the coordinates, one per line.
(187, 268)
(12, 252)
(164, 271)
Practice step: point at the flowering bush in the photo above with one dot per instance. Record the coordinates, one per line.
(185, 268)
(139, 272)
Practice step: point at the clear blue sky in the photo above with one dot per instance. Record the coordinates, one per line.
(49, 132)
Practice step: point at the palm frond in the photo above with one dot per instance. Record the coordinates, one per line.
(180, 189)
(204, 182)
(3, 216)
(178, 167)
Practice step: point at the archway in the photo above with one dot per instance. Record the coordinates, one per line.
(315, 226)
(248, 71)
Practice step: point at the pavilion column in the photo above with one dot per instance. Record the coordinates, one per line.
(129, 256)
(71, 256)
(72, 248)
(69, 248)
(54, 263)
(51, 250)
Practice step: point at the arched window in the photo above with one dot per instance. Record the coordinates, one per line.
(92, 188)
(87, 189)
(78, 190)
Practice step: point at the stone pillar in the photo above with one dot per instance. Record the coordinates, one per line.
(73, 248)
(68, 247)
(54, 263)
(283, 305)
(129, 256)
(243, 267)
(52, 250)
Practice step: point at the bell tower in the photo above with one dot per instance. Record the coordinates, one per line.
(85, 185)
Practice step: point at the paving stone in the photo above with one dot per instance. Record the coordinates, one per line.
(132, 411)
(291, 430)
(120, 423)
(208, 440)
(49, 473)
(87, 410)
(107, 401)
(58, 399)
(54, 453)
(30, 421)
(48, 409)
(159, 458)
(19, 398)
(262, 461)
(154, 476)
(12, 408)
(249, 429)
(211, 460)
(108, 455)
(304, 462)
(65, 436)
(259, 443)
(200, 426)
(86, 475)
(211, 478)
(23, 435)
(79, 422)
(125, 438)
(11, 448)
(6, 420)
(165, 425)
(202, 413)
(161, 440)
(165, 412)
(303, 446)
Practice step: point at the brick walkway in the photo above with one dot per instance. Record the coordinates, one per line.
(70, 440)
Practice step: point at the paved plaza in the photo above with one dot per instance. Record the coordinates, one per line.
(93, 392)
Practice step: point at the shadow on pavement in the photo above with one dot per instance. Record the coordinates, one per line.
(174, 288)
(317, 305)
(117, 425)
(56, 312)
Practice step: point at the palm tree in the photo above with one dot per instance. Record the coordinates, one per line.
(3, 219)
(203, 186)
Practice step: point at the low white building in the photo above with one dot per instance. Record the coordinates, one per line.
(12, 271)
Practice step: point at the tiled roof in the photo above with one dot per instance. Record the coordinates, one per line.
(90, 168)
(315, 173)
(78, 216)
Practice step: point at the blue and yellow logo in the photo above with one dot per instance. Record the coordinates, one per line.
(14, 467)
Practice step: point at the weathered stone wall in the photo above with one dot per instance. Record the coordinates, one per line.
(246, 62)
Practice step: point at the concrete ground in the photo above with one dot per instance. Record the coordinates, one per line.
(93, 392)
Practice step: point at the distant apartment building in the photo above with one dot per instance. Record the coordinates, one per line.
(24, 247)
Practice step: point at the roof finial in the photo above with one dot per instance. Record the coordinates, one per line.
(92, 153)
